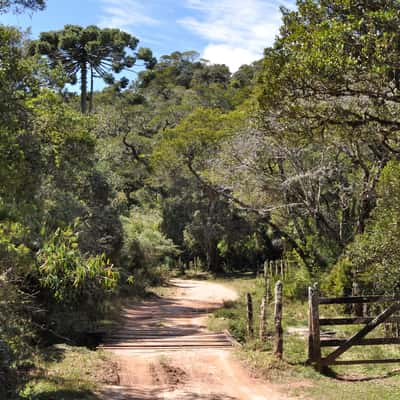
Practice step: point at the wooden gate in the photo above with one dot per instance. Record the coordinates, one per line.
(315, 342)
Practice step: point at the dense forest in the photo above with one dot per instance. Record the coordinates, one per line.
(104, 192)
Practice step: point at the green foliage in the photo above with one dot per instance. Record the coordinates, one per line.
(296, 287)
(145, 246)
(375, 253)
(327, 124)
(197, 135)
(16, 333)
(340, 280)
(16, 76)
(71, 278)
(74, 287)
(14, 253)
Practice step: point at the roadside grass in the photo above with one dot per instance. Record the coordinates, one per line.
(68, 373)
(366, 382)
(192, 273)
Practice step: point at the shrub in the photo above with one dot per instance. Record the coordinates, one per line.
(146, 252)
(376, 253)
(73, 283)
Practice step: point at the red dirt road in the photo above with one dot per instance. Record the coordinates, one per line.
(164, 351)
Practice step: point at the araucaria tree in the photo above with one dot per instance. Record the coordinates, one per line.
(19, 5)
(91, 52)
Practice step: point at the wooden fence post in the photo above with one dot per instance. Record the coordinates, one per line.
(358, 308)
(278, 350)
(263, 319)
(250, 323)
(314, 341)
(266, 281)
(310, 327)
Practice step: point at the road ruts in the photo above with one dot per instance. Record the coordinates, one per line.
(169, 324)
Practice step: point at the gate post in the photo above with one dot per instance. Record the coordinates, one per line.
(250, 321)
(314, 343)
(265, 270)
(278, 348)
(263, 319)
(358, 307)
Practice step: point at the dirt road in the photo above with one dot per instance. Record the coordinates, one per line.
(164, 351)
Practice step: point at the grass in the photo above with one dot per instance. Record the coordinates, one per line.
(366, 382)
(68, 373)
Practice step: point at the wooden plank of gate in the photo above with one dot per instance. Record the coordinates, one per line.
(361, 342)
(356, 362)
(361, 334)
(357, 299)
(351, 320)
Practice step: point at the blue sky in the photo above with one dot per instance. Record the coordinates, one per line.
(232, 32)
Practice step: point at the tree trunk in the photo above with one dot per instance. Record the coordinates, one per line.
(83, 88)
(91, 91)
(213, 259)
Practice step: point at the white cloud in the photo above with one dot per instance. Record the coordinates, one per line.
(124, 14)
(237, 30)
(234, 57)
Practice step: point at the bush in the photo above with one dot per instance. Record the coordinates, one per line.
(376, 253)
(73, 283)
(296, 286)
(340, 280)
(146, 253)
(16, 330)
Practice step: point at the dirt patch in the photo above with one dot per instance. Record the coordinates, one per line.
(175, 376)
(108, 374)
(164, 374)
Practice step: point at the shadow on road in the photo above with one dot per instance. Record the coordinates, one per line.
(128, 393)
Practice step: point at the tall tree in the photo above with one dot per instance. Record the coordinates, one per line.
(91, 52)
(326, 126)
(19, 5)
